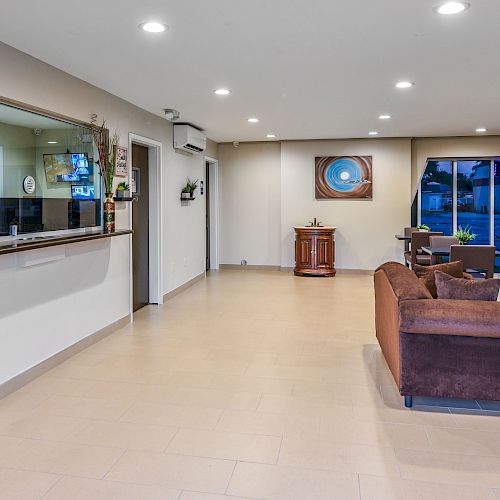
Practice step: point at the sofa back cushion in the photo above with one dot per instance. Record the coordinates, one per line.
(405, 284)
(449, 287)
(426, 274)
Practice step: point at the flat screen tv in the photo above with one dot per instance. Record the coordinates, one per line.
(82, 192)
(66, 167)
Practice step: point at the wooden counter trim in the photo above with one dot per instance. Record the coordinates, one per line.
(24, 246)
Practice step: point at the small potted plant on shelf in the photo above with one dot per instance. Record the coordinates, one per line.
(464, 235)
(188, 190)
(423, 227)
(122, 190)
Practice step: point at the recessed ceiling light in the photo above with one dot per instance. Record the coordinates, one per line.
(404, 85)
(253, 120)
(51, 142)
(481, 129)
(452, 8)
(373, 132)
(271, 136)
(384, 117)
(153, 27)
(222, 91)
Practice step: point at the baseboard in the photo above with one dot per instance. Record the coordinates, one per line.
(179, 289)
(249, 267)
(31, 374)
(362, 272)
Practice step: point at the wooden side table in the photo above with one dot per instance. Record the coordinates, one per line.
(314, 251)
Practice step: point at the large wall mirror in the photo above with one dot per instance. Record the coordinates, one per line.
(59, 157)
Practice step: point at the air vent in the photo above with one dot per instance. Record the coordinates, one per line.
(189, 139)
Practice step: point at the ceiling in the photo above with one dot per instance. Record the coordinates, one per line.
(307, 69)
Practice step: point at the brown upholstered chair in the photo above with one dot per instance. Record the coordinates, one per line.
(441, 242)
(420, 239)
(479, 260)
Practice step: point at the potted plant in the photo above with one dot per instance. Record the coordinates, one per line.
(122, 190)
(188, 190)
(464, 235)
(423, 227)
(106, 149)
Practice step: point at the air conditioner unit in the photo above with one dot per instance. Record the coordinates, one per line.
(190, 139)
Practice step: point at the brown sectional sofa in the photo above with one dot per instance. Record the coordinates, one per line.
(436, 347)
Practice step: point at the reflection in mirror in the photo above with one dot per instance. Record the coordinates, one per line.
(59, 157)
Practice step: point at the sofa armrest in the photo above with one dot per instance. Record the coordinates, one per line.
(470, 318)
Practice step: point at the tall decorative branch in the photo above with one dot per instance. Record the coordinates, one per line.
(106, 148)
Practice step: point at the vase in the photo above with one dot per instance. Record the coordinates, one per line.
(109, 214)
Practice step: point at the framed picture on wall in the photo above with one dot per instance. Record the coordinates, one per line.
(121, 168)
(344, 177)
(135, 181)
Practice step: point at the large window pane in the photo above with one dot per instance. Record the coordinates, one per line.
(473, 198)
(437, 196)
(497, 210)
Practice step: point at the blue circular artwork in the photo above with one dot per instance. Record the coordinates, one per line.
(343, 175)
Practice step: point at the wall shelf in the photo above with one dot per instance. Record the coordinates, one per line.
(131, 198)
(188, 199)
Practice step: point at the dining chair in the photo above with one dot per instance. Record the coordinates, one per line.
(479, 260)
(407, 232)
(444, 242)
(420, 239)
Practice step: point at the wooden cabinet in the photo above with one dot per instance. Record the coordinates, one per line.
(314, 251)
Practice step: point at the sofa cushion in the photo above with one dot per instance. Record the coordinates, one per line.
(473, 318)
(449, 287)
(426, 274)
(405, 284)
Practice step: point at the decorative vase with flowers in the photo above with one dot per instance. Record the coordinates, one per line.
(464, 235)
(106, 148)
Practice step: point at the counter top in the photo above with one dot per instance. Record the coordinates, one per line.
(314, 227)
(35, 242)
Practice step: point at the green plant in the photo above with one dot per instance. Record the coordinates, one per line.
(425, 227)
(464, 235)
(123, 186)
(106, 149)
(190, 186)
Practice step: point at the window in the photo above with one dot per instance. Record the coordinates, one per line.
(462, 192)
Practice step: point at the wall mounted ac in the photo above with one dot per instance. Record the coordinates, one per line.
(188, 138)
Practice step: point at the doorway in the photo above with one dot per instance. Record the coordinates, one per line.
(140, 227)
(211, 213)
(149, 185)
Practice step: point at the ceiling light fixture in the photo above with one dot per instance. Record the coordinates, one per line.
(271, 136)
(385, 117)
(222, 91)
(51, 142)
(153, 27)
(451, 8)
(404, 85)
(481, 129)
(253, 120)
(373, 132)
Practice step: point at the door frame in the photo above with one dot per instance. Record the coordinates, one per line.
(155, 217)
(213, 193)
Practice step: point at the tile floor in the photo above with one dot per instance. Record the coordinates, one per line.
(249, 385)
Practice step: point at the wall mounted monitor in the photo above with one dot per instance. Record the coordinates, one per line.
(82, 192)
(66, 167)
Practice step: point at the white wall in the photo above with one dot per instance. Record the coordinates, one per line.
(267, 188)
(38, 326)
(249, 193)
(366, 228)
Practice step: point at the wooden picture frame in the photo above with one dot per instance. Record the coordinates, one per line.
(121, 166)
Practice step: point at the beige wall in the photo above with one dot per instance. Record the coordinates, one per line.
(249, 193)
(267, 188)
(443, 147)
(366, 228)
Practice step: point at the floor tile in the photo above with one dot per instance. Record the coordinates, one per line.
(174, 471)
(226, 445)
(90, 489)
(279, 483)
(24, 485)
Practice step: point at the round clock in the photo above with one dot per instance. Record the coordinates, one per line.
(29, 184)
